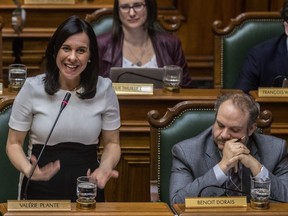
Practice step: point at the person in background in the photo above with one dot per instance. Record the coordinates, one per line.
(135, 42)
(229, 145)
(72, 64)
(266, 64)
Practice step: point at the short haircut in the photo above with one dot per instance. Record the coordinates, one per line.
(242, 101)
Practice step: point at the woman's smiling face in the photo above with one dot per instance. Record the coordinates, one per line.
(73, 56)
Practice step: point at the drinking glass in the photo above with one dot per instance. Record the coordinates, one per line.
(86, 192)
(17, 76)
(172, 76)
(260, 192)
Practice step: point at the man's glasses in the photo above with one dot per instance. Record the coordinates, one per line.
(137, 7)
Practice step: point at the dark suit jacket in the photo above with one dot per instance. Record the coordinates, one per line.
(266, 63)
(194, 159)
(167, 47)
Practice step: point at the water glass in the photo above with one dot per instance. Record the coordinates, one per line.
(86, 192)
(260, 192)
(17, 76)
(172, 76)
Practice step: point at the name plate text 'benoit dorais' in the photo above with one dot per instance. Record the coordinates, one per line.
(212, 202)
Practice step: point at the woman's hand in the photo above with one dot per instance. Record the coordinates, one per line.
(101, 176)
(46, 172)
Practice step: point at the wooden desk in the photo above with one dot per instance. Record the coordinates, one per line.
(134, 165)
(7, 94)
(275, 209)
(278, 106)
(135, 107)
(108, 209)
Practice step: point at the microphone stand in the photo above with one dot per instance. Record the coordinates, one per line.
(63, 105)
(228, 189)
(135, 74)
(220, 187)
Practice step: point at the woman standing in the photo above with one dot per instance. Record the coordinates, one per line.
(72, 66)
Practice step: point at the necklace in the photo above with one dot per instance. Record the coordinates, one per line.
(75, 88)
(139, 59)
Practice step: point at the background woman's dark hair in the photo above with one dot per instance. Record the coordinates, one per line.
(89, 76)
(152, 12)
(284, 11)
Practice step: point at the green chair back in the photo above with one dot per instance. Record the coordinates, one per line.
(185, 120)
(10, 175)
(101, 20)
(232, 43)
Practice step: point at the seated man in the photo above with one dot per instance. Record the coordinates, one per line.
(229, 145)
(266, 64)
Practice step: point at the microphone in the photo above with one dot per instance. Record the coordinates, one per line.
(18, 17)
(285, 83)
(139, 75)
(279, 81)
(228, 189)
(63, 105)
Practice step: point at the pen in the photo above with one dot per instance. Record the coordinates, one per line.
(238, 140)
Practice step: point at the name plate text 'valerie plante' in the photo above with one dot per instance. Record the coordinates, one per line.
(39, 205)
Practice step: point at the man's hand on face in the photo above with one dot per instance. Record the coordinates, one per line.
(232, 151)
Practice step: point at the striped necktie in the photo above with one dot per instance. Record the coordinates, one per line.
(234, 182)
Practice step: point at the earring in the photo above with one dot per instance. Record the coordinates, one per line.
(89, 61)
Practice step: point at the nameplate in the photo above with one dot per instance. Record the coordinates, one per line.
(133, 88)
(212, 202)
(39, 205)
(272, 92)
(49, 1)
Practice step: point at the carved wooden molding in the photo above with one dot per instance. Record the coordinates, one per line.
(171, 22)
(219, 29)
(97, 14)
(155, 120)
(265, 120)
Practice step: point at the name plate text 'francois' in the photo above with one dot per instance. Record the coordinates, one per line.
(273, 92)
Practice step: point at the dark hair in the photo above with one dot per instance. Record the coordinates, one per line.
(89, 77)
(284, 11)
(242, 101)
(152, 11)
